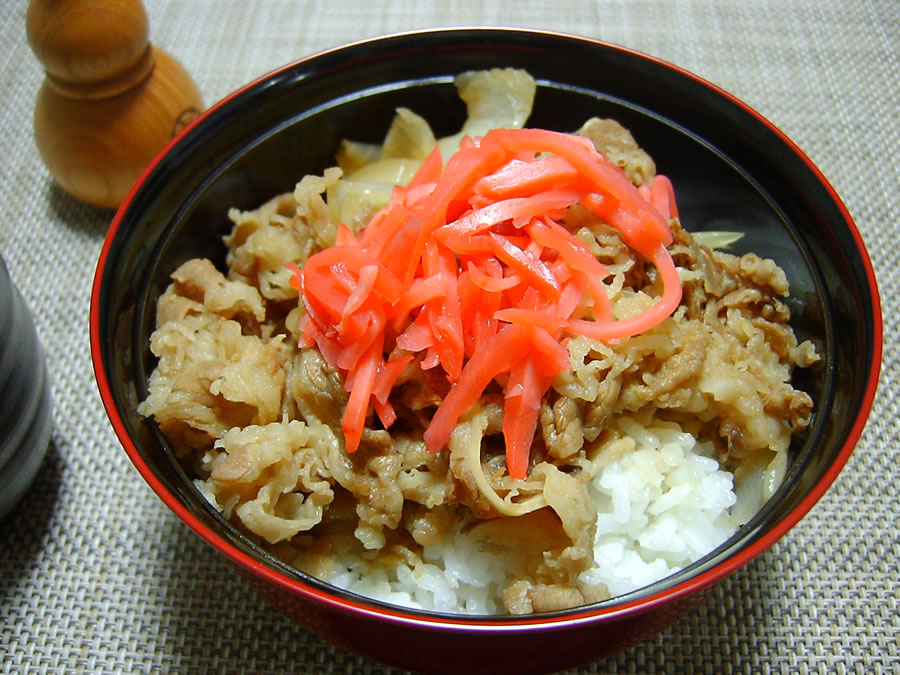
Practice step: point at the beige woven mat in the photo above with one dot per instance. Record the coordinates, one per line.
(97, 575)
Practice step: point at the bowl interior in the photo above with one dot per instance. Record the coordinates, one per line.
(731, 170)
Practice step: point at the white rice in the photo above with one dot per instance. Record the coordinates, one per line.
(661, 506)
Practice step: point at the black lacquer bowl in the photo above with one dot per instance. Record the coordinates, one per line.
(732, 169)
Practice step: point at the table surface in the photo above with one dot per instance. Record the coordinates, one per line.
(97, 575)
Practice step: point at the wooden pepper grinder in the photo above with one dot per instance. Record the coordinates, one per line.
(110, 100)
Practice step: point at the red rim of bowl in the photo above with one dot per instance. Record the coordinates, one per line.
(575, 617)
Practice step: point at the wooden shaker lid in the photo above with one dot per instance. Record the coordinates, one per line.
(84, 43)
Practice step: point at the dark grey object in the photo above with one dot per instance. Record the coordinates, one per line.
(25, 400)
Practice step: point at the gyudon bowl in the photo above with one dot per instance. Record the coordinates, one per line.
(732, 171)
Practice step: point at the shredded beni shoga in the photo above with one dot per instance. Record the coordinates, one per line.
(469, 264)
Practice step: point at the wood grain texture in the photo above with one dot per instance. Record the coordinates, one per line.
(97, 148)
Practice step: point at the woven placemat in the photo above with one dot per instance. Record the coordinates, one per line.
(97, 575)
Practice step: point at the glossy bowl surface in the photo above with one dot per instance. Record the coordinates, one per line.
(732, 170)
